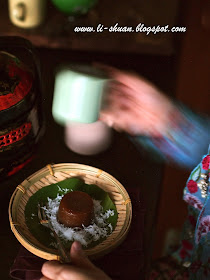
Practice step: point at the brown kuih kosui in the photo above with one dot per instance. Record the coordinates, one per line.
(76, 209)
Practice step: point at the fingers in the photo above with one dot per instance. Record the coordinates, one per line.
(78, 256)
(136, 113)
(51, 269)
(58, 271)
(124, 77)
(135, 82)
(80, 269)
(122, 122)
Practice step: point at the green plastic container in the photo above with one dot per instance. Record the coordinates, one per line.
(74, 7)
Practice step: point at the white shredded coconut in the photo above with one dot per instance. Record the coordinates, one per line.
(85, 235)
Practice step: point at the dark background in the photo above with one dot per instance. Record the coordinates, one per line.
(175, 63)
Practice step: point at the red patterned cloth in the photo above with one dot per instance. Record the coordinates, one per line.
(167, 268)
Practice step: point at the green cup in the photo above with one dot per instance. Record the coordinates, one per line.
(74, 7)
(79, 93)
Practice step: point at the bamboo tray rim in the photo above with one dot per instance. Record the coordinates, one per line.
(51, 169)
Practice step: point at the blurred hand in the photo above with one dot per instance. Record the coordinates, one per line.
(135, 106)
(80, 269)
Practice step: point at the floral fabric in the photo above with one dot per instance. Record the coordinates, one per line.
(196, 243)
(187, 140)
(192, 259)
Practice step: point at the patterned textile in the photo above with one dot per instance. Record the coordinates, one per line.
(192, 259)
(196, 194)
(187, 139)
(167, 269)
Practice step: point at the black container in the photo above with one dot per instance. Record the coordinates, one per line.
(21, 117)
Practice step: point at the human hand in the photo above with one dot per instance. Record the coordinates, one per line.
(81, 268)
(136, 106)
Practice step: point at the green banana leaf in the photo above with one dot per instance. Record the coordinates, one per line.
(41, 233)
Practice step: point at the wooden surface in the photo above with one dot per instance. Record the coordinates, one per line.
(58, 32)
(122, 161)
(130, 166)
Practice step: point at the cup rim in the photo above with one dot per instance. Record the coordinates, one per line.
(84, 69)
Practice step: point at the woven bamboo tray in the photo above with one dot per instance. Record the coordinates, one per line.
(57, 172)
